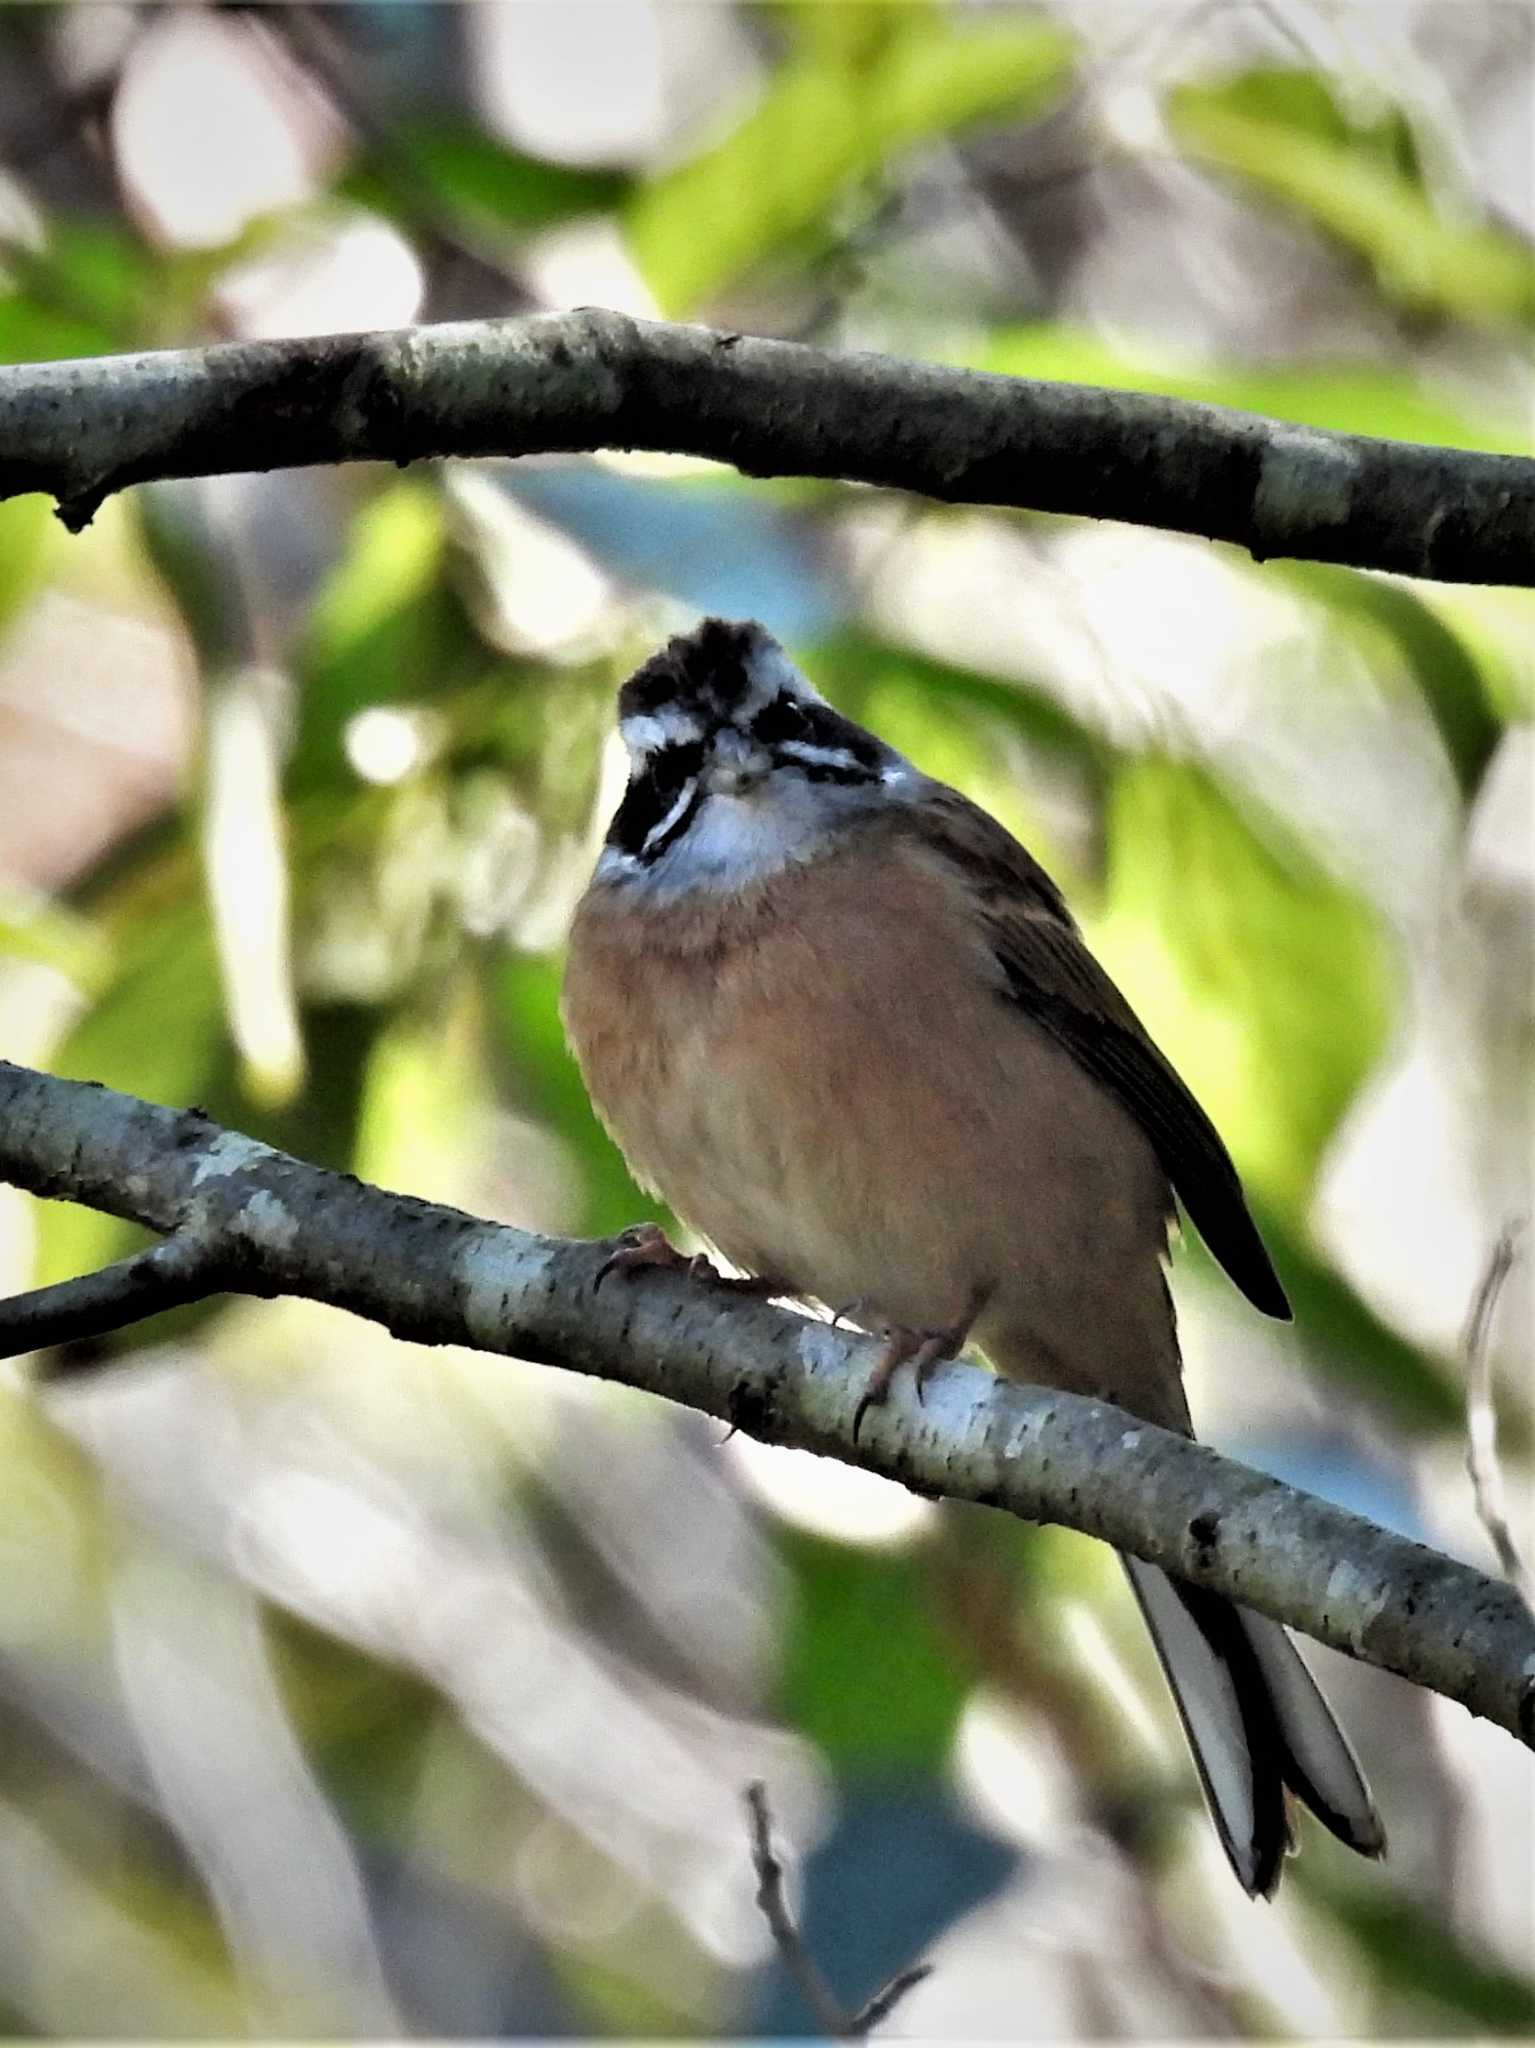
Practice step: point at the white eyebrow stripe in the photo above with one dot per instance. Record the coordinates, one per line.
(684, 797)
(649, 732)
(825, 757)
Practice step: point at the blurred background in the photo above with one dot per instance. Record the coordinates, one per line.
(349, 1688)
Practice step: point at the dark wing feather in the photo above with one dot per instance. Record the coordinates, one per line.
(1052, 976)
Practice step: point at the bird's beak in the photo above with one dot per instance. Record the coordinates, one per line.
(735, 766)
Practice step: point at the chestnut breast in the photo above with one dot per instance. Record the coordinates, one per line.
(825, 1077)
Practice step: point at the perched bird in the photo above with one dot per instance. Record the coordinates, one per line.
(845, 1025)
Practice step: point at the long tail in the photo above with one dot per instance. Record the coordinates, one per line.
(1257, 1725)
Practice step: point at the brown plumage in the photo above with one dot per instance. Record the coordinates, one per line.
(843, 1022)
(830, 1079)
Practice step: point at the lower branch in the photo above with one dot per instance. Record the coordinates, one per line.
(274, 1225)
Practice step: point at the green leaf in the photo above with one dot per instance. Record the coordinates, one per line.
(34, 329)
(156, 1028)
(1438, 660)
(542, 1073)
(95, 288)
(464, 171)
(1353, 398)
(830, 117)
(1306, 102)
(1420, 1954)
(241, 826)
(386, 625)
(427, 1105)
(366, 1726)
(851, 31)
(1414, 1389)
(1353, 186)
(51, 934)
(869, 1675)
(1497, 628)
(156, 1031)
(24, 532)
(1267, 983)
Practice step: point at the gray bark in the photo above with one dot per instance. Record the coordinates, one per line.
(250, 1219)
(594, 379)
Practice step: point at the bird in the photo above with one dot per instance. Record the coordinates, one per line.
(840, 1020)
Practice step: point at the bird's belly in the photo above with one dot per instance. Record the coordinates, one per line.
(833, 1114)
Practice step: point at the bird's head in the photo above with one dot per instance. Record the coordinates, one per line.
(737, 764)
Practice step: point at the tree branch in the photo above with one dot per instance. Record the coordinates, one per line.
(595, 379)
(179, 1269)
(269, 1224)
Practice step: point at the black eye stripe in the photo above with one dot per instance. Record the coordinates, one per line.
(788, 721)
(651, 794)
(687, 811)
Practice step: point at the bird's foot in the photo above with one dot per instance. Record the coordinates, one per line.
(647, 1244)
(921, 1349)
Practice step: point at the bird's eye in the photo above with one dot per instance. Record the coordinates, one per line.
(785, 718)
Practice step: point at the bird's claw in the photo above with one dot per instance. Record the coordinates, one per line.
(645, 1244)
(923, 1349)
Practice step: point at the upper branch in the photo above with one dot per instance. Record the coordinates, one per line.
(267, 1224)
(594, 379)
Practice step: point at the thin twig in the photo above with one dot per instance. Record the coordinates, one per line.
(180, 1269)
(1482, 1461)
(884, 2003)
(773, 1906)
(816, 1992)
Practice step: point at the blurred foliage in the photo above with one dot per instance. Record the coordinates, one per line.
(864, 83)
(23, 530)
(331, 914)
(865, 1636)
(474, 178)
(1359, 180)
(1349, 397)
(1266, 981)
(1426, 1959)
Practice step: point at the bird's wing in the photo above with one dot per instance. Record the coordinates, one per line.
(1054, 979)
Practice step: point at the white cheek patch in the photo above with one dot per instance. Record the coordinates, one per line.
(648, 732)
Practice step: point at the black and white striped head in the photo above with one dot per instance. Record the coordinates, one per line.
(737, 765)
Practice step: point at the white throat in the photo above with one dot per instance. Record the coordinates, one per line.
(736, 841)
